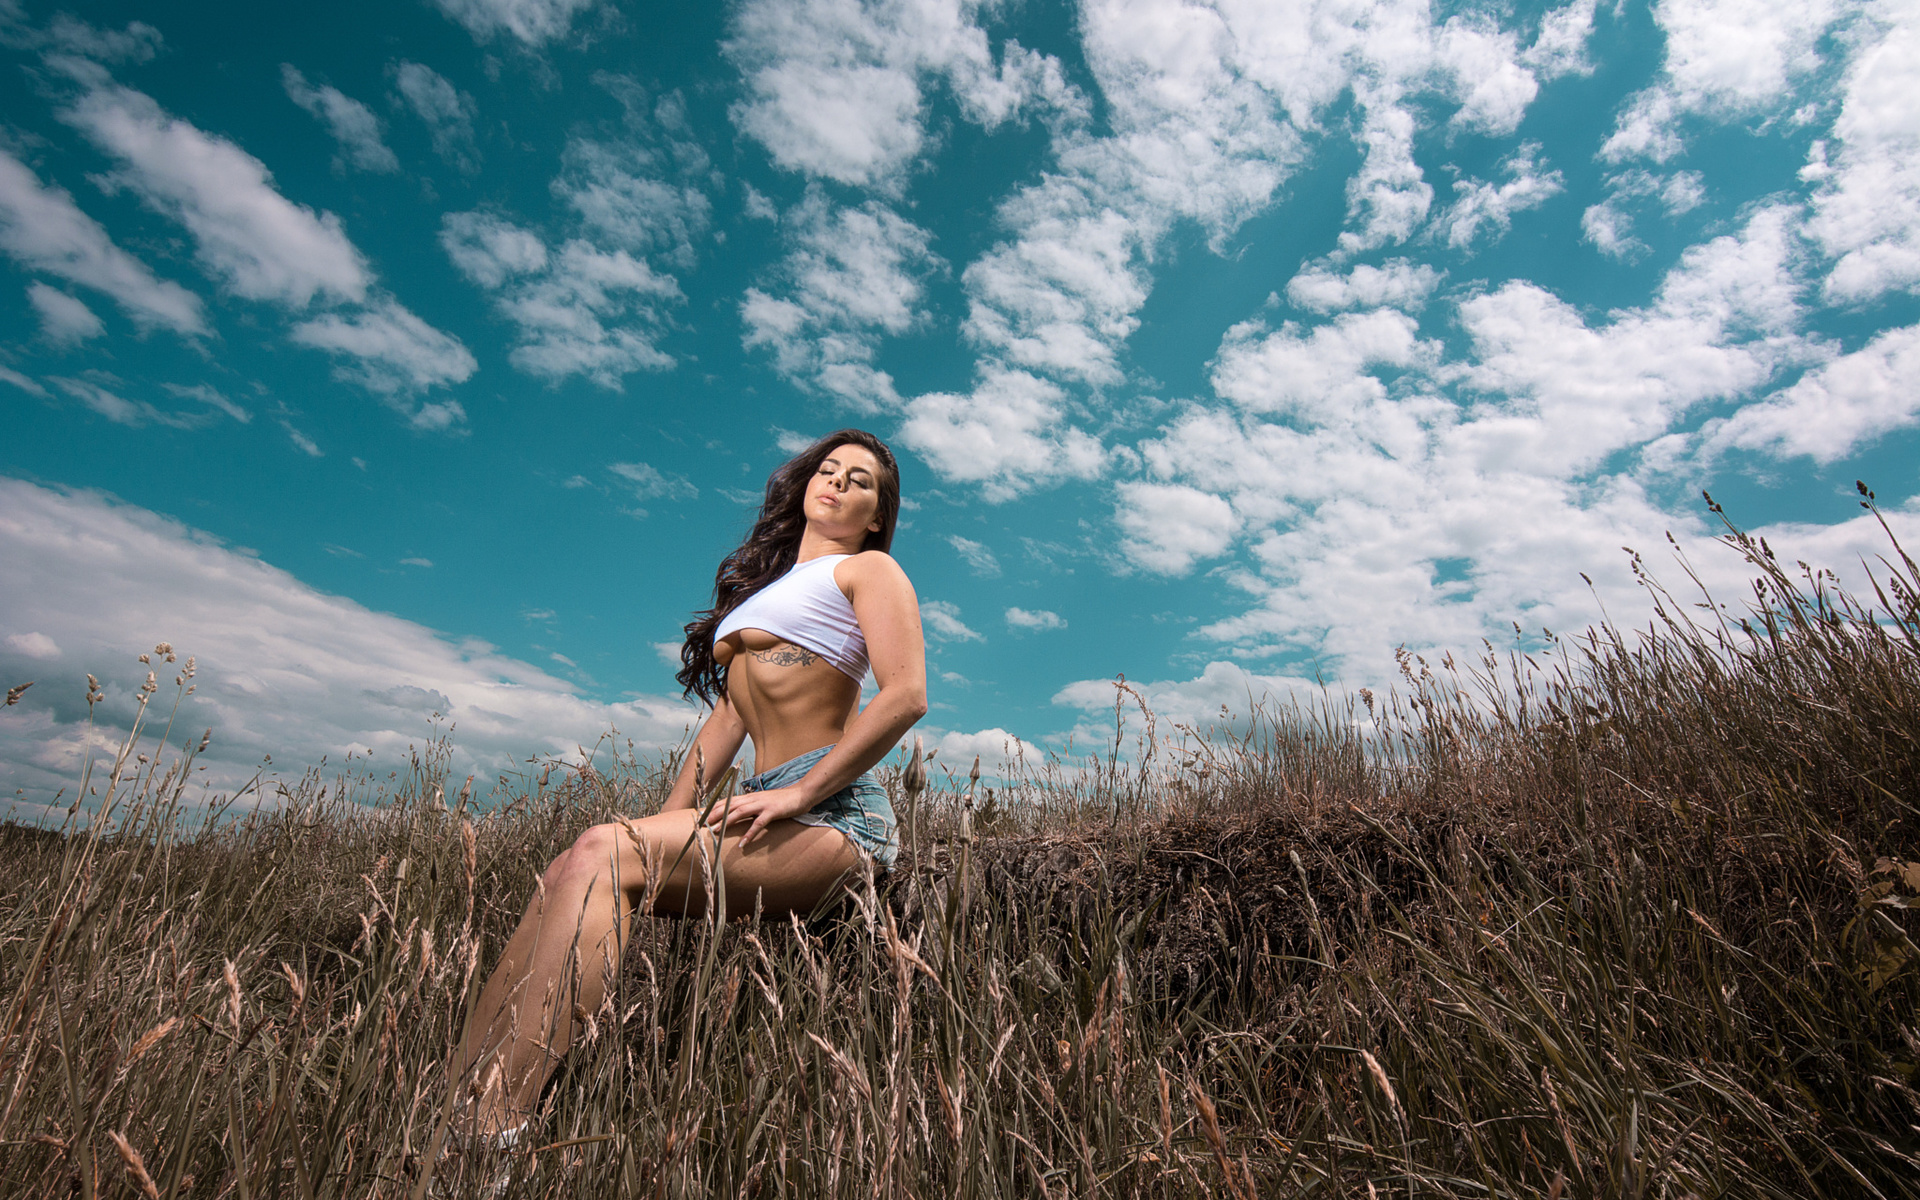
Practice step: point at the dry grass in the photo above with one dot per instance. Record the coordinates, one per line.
(1630, 919)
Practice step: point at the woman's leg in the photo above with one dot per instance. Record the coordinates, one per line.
(568, 945)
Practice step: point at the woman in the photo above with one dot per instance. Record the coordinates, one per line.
(801, 609)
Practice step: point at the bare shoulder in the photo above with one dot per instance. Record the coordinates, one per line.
(873, 570)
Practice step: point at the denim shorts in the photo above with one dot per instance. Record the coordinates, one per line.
(860, 810)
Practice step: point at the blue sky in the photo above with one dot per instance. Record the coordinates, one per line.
(418, 357)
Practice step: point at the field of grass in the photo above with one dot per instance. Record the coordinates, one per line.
(1631, 917)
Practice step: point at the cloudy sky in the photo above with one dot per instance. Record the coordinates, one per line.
(426, 356)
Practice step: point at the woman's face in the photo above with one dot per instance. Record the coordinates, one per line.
(843, 497)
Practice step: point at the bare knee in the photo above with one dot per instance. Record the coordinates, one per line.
(590, 855)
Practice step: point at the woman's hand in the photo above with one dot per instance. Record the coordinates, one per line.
(760, 808)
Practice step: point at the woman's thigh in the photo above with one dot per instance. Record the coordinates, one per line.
(788, 868)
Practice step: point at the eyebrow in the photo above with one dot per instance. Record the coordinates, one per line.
(855, 467)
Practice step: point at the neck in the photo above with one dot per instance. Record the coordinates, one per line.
(814, 543)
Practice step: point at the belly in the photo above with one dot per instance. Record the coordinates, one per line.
(790, 699)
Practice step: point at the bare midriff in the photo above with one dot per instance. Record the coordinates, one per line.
(790, 699)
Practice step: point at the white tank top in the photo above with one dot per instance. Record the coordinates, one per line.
(806, 607)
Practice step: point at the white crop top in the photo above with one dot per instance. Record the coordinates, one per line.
(806, 607)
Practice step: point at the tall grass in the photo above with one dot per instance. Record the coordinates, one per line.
(1629, 917)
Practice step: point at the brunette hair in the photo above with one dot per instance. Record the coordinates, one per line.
(773, 546)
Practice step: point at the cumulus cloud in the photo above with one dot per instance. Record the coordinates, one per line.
(835, 87)
(489, 249)
(978, 558)
(1836, 407)
(596, 305)
(390, 351)
(1009, 434)
(532, 21)
(1035, 621)
(43, 230)
(258, 243)
(283, 669)
(942, 619)
(1441, 497)
(64, 321)
(851, 276)
(353, 125)
(1169, 527)
(1397, 283)
(638, 198)
(650, 483)
(446, 111)
(1000, 753)
(1197, 702)
(579, 311)
(1317, 374)
(1867, 209)
(1609, 224)
(1725, 59)
(1485, 206)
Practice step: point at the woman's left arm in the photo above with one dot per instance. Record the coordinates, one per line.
(889, 614)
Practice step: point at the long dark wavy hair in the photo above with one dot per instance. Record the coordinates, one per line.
(773, 546)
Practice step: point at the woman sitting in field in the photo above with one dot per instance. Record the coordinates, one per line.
(800, 611)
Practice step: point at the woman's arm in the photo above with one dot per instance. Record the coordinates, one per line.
(718, 741)
(889, 613)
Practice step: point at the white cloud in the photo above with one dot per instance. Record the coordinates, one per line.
(490, 250)
(24, 383)
(1584, 393)
(1725, 59)
(999, 753)
(254, 240)
(1407, 515)
(1388, 197)
(64, 321)
(389, 350)
(282, 668)
(532, 21)
(1485, 205)
(596, 305)
(852, 275)
(942, 620)
(650, 483)
(1195, 702)
(1560, 47)
(592, 314)
(621, 191)
(32, 645)
(446, 111)
(1168, 527)
(43, 230)
(978, 558)
(1036, 621)
(1320, 374)
(1836, 407)
(1608, 224)
(835, 86)
(581, 311)
(1008, 435)
(97, 394)
(139, 42)
(210, 396)
(1867, 211)
(1397, 283)
(353, 125)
